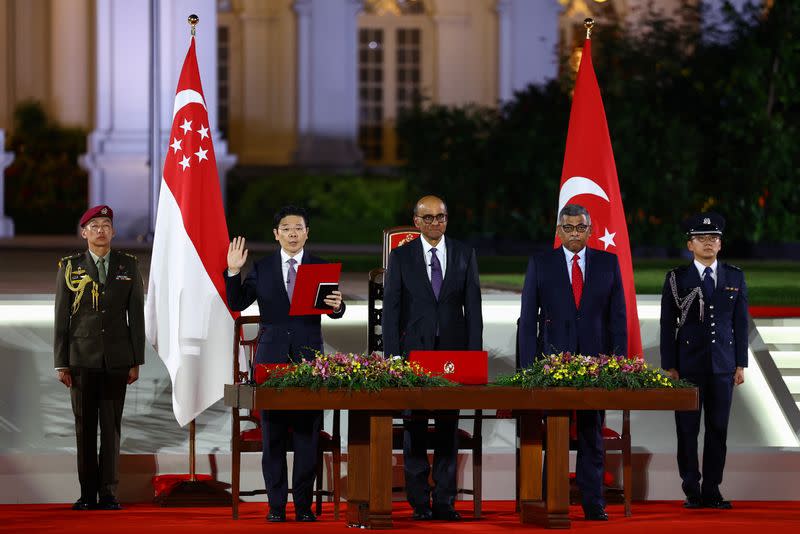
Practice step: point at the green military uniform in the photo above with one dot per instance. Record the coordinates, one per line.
(99, 336)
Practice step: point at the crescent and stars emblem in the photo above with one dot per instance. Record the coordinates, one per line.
(580, 185)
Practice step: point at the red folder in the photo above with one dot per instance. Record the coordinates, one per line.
(462, 366)
(309, 278)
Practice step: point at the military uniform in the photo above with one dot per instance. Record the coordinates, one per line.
(704, 336)
(99, 337)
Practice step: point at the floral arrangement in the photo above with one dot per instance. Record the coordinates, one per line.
(371, 372)
(574, 370)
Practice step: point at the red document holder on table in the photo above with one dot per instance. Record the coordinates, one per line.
(461, 366)
(312, 280)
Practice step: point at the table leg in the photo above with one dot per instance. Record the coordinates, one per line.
(553, 510)
(380, 474)
(358, 472)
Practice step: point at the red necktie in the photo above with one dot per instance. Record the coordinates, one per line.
(577, 280)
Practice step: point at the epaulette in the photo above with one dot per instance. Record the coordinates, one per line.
(66, 258)
(735, 268)
(129, 255)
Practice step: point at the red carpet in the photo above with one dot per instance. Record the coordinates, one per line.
(652, 517)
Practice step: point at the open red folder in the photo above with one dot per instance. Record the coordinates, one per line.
(314, 282)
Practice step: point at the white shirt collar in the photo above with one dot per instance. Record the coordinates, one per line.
(440, 247)
(298, 257)
(569, 254)
(701, 268)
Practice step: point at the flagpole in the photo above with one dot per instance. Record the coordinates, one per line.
(193, 20)
(588, 24)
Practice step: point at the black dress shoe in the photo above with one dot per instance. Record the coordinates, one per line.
(446, 514)
(276, 515)
(693, 502)
(108, 503)
(305, 516)
(82, 504)
(596, 513)
(422, 513)
(717, 503)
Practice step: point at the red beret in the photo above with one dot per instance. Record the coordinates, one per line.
(97, 211)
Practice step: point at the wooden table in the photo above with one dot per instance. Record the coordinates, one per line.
(369, 443)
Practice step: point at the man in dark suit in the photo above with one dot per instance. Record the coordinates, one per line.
(283, 338)
(704, 339)
(98, 348)
(431, 301)
(573, 301)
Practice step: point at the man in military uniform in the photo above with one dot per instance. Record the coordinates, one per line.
(704, 337)
(98, 346)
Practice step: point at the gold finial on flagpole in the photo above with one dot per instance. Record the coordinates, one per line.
(193, 20)
(588, 24)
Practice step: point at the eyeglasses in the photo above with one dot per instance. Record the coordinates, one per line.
(706, 238)
(97, 227)
(569, 228)
(288, 229)
(428, 219)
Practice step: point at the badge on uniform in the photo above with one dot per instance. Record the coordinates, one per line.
(731, 289)
(122, 274)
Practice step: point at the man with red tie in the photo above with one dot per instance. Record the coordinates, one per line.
(573, 301)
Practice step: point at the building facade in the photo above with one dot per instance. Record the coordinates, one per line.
(313, 83)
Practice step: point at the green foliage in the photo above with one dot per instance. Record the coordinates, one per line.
(353, 372)
(606, 372)
(342, 208)
(46, 190)
(699, 119)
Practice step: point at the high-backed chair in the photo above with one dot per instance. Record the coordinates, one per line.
(612, 441)
(249, 439)
(392, 238)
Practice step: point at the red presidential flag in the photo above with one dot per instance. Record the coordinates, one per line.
(187, 317)
(589, 178)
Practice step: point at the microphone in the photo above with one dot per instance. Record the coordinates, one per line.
(252, 380)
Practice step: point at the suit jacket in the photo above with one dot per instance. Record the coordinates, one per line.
(551, 323)
(282, 336)
(718, 343)
(106, 331)
(411, 313)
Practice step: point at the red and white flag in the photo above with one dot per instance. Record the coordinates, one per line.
(187, 317)
(589, 178)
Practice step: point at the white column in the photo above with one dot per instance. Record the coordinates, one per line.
(528, 35)
(326, 83)
(117, 155)
(6, 158)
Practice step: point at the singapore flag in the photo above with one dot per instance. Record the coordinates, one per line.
(589, 178)
(187, 318)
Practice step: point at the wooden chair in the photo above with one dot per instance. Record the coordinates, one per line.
(249, 439)
(466, 441)
(612, 441)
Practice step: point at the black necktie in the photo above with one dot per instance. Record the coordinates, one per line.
(708, 283)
